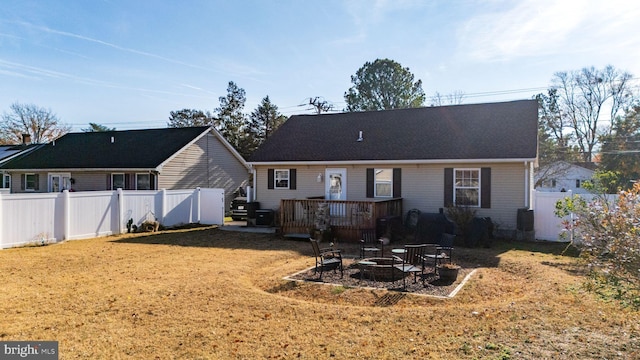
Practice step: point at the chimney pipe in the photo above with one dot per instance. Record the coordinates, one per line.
(26, 139)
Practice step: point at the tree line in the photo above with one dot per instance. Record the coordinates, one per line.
(585, 115)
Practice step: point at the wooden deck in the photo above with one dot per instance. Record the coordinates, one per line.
(347, 218)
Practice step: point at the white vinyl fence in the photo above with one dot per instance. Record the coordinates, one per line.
(546, 225)
(51, 217)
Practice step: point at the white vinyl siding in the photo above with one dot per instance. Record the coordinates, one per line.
(190, 169)
(422, 188)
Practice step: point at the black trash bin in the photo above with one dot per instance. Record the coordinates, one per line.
(525, 219)
(388, 225)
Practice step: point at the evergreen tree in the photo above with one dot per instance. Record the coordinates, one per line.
(263, 121)
(230, 119)
(189, 118)
(382, 85)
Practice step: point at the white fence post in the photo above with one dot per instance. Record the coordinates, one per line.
(198, 207)
(66, 216)
(163, 206)
(120, 207)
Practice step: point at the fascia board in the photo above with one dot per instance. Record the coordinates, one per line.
(408, 162)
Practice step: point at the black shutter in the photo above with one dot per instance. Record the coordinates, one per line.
(485, 183)
(370, 182)
(397, 182)
(448, 187)
(36, 186)
(152, 181)
(23, 180)
(292, 179)
(127, 181)
(109, 182)
(270, 179)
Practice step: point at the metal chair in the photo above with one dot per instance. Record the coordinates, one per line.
(442, 251)
(329, 258)
(370, 244)
(412, 262)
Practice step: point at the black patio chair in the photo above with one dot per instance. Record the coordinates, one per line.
(369, 243)
(328, 258)
(442, 251)
(411, 262)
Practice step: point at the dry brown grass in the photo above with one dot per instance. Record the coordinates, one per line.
(212, 294)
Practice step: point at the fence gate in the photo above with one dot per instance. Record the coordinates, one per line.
(212, 206)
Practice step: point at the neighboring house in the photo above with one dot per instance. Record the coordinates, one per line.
(8, 152)
(169, 158)
(381, 163)
(564, 176)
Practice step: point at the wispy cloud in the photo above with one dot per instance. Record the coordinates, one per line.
(111, 45)
(37, 73)
(219, 66)
(534, 27)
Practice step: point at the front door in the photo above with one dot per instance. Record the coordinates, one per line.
(59, 182)
(335, 184)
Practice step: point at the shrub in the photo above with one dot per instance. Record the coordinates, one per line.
(462, 216)
(607, 233)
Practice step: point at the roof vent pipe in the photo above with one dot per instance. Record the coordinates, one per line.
(113, 140)
(360, 136)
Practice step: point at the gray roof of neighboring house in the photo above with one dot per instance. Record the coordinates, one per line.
(506, 130)
(134, 149)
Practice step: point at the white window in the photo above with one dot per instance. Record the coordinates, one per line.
(117, 181)
(466, 188)
(281, 178)
(549, 183)
(143, 181)
(383, 183)
(30, 182)
(6, 181)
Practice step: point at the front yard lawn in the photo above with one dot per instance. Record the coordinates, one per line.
(212, 294)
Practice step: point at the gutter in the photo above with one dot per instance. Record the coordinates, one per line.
(85, 170)
(411, 162)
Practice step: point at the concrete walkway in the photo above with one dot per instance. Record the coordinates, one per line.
(241, 226)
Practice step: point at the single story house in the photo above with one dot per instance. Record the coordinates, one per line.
(561, 176)
(151, 159)
(370, 165)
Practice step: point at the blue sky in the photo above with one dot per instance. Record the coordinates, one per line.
(127, 64)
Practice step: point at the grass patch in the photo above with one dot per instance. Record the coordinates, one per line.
(204, 293)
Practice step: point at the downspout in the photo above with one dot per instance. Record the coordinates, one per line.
(528, 185)
(254, 188)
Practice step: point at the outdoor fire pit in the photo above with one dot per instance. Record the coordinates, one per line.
(383, 269)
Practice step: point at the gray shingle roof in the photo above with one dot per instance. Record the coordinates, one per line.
(133, 149)
(506, 130)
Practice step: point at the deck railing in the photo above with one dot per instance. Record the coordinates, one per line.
(347, 217)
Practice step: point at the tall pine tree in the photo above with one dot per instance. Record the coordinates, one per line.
(263, 121)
